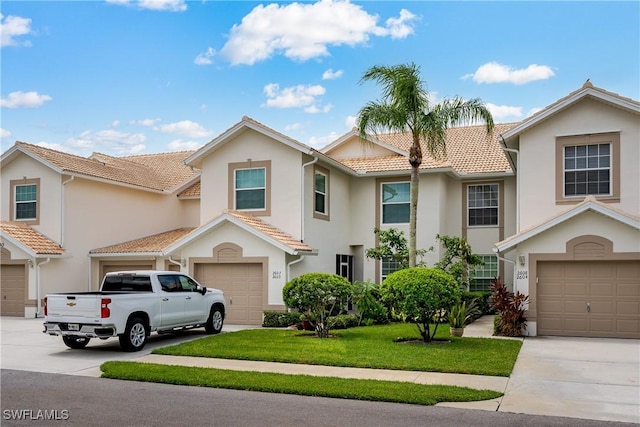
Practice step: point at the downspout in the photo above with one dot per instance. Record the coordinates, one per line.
(512, 150)
(515, 289)
(62, 209)
(295, 261)
(315, 159)
(178, 263)
(38, 287)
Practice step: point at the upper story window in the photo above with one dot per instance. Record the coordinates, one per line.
(25, 200)
(395, 202)
(321, 193)
(250, 187)
(482, 203)
(588, 165)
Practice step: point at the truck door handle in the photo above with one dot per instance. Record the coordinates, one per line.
(588, 307)
(188, 297)
(165, 299)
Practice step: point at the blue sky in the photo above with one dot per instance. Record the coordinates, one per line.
(126, 77)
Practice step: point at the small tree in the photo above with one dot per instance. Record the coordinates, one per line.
(458, 259)
(421, 295)
(392, 245)
(317, 295)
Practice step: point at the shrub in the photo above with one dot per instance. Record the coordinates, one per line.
(370, 310)
(460, 315)
(342, 321)
(280, 319)
(420, 295)
(317, 295)
(511, 308)
(482, 300)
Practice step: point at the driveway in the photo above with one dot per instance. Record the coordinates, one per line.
(589, 378)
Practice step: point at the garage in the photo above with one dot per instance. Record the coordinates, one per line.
(14, 283)
(589, 298)
(126, 266)
(243, 285)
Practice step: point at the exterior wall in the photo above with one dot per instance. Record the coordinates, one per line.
(552, 244)
(49, 194)
(537, 151)
(285, 179)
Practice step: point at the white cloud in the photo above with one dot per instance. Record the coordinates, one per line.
(205, 58)
(161, 5)
(292, 97)
(24, 99)
(500, 112)
(4, 133)
(332, 75)
(493, 72)
(534, 110)
(144, 122)
(111, 141)
(180, 145)
(313, 109)
(293, 127)
(12, 27)
(302, 31)
(115, 123)
(57, 147)
(350, 122)
(185, 128)
(321, 141)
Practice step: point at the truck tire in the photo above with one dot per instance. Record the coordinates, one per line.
(215, 321)
(74, 342)
(135, 335)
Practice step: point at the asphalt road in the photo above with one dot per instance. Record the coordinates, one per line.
(46, 399)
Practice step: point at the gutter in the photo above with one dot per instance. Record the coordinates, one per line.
(515, 267)
(39, 287)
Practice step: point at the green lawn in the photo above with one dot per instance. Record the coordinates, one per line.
(374, 390)
(364, 347)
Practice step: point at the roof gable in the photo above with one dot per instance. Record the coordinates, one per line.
(588, 90)
(589, 204)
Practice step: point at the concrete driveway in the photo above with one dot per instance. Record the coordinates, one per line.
(591, 378)
(587, 378)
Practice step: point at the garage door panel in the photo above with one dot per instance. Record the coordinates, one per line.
(13, 284)
(611, 288)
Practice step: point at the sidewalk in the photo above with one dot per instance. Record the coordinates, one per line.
(481, 328)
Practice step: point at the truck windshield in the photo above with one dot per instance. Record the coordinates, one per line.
(131, 283)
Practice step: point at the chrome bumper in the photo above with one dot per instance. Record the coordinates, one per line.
(89, 331)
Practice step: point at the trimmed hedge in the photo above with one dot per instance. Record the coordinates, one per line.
(280, 319)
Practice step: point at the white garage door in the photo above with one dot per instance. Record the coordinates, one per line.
(13, 285)
(589, 298)
(242, 284)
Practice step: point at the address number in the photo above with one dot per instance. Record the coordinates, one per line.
(522, 275)
(276, 274)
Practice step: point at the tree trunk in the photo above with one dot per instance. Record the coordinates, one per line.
(413, 215)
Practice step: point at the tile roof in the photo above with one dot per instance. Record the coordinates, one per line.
(154, 243)
(191, 191)
(160, 172)
(469, 150)
(270, 231)
(30, 238)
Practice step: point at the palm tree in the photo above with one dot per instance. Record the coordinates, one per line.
(406, 107)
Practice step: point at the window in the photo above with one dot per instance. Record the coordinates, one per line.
(482, 203)
(395, 202)
(588, 165)
(389, 266)
(587, 169)
(25, 195)
(321, 193)
(481, 277)
(249, 187)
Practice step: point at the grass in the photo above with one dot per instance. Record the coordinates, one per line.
(363, 347)
(374, 390)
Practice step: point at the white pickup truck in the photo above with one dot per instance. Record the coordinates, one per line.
(131, 305)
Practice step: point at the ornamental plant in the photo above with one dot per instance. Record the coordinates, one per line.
(420, 295)
(316, 296)
(510, 308)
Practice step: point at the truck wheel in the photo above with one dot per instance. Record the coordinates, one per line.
(135, 335)
(214, 322)
(74, 342)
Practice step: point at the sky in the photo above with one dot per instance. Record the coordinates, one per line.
(130, 77)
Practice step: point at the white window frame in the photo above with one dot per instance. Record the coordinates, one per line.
(324, 194)
(587, 168)
(493, 261)
(496, 207)
(236, 190)
(383, 203)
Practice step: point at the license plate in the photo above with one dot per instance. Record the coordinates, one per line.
(73, 327)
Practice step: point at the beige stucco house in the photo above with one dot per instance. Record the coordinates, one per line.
(254, 208)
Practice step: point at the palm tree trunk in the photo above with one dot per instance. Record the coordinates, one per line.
(413, 215)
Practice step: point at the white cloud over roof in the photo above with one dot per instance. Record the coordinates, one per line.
(493, 72)
(302, 31)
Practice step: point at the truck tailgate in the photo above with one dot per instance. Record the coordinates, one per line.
(80, 307)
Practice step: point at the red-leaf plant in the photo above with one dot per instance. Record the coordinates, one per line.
(510, 307)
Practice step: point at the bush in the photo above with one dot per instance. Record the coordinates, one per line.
(280, 319)
(366, 297)
(482, 299)
(317, 296)
(420, 295)
(511, 308)
(342, 321)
